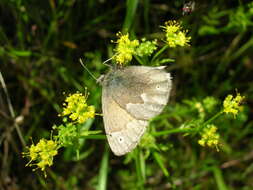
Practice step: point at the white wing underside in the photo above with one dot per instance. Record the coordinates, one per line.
(122, 130)
(126, 122)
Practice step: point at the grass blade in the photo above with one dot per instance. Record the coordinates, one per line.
(219, 178)
(159, 161)
(102, 178)
(131, 8)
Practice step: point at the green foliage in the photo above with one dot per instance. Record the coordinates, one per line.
(40, 45)
(239, 19)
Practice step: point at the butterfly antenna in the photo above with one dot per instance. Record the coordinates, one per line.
(107, 61)
(81, 62)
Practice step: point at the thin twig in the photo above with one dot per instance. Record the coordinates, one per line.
(11, 109)
(231, 163)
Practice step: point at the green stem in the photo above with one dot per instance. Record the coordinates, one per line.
(139, 60)
(210, 120)
(159, 53)
(242, 49)
(171, 131)
(139, 170)
(98, 137)
(187, 130)
(142, 165)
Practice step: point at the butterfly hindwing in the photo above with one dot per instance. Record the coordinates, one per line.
(122, 130)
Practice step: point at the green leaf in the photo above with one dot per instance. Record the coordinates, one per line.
(20, 53)
(158, 159)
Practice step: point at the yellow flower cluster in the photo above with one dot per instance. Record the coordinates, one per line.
(231, 104)
(77, 108)
(42, 153)
(146, 48)
(125, 49)
(200, 109)
(175, 36)
(209, 137)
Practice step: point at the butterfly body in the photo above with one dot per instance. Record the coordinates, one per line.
(131, 96)
(188, 7)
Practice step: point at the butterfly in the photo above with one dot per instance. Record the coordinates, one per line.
(131, 96)
(188, 7)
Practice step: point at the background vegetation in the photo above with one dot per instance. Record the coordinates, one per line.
(40, 44)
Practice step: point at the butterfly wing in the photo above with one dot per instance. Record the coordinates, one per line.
(142, 91)
(122, 130)
(130, 97)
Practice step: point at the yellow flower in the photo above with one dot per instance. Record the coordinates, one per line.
(210, 137)
(175, 36)
(125, 49)
(182, 40)
(77, 108)
(232, 105)
(171, 26)
(42, 154)
(200, 109)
